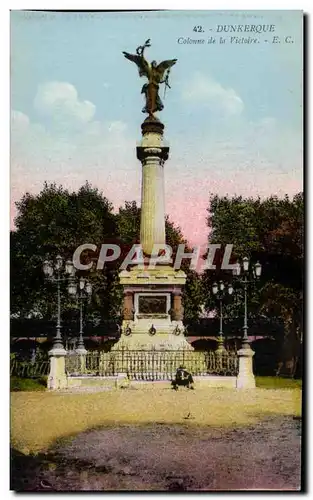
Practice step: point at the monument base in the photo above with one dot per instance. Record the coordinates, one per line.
(153, 311)
(158, 342)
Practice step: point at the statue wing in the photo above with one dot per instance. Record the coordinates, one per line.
(164, 65)
(142, 64)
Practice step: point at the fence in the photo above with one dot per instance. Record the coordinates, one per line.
(151, 365)
(27, 369)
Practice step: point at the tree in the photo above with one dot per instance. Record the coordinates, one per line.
(53, 222)
(57, 221)
(271, 231)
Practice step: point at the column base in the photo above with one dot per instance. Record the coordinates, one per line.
(57, 377)
(245, 378)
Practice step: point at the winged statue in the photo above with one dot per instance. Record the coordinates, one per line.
(155, 73)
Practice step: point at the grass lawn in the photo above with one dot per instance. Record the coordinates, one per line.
(278, 383)
(39, 419)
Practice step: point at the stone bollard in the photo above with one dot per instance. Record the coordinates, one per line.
(57, 377)
(245, 378)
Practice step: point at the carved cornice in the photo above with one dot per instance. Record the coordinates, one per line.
(152, 125)
(146, 152)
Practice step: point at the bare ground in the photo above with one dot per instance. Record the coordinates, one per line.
(168, 457)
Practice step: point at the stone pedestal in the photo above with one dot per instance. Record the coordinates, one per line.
(154, 330)
(245, 378)
(57, 377)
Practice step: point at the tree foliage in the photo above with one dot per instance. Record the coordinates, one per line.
(53, 222)
(57, 221)
(270, 231)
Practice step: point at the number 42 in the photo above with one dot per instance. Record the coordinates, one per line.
(198, 29)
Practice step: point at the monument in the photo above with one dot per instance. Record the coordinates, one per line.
(152, 308)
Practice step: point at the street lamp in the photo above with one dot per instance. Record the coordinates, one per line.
(220, 291)
(249, 275)
(52, 272)
(83, 290)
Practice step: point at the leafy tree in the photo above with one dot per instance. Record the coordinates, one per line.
(57, 221)
(128, 222)
(193, 297)
(53, 222)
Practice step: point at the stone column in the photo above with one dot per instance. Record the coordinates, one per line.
(152, 153)
(128, 306)
(57, 377)
(82, 353)
(177, 307)
(245, 378)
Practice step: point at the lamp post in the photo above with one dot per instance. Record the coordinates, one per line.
(52, 272)
(220, 291)
(82, 289)
(246, 275)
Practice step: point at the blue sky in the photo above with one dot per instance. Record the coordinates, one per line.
(233, 116)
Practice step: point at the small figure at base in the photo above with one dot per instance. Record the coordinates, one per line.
(182, 378)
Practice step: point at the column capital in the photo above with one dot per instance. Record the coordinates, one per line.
(152, 125)
(160, 152)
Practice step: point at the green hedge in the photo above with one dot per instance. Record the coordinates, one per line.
(278, 383)
(28, 384)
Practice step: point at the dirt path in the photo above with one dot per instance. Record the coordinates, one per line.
(162, 457)
(39, 419)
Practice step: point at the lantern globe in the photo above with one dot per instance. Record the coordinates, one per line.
(47, 268)
(69, 268)
(245, 263)
(258, 269)
(236, 269)
(72, 289)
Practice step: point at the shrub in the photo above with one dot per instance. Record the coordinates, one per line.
(28, 384)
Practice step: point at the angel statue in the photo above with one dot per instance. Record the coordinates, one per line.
(155, 74)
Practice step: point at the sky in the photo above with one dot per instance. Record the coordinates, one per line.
(233, 115)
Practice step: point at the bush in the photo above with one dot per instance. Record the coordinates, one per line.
(28, 384)
(278, 383)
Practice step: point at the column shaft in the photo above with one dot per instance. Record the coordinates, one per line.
(152, 225)
(128, 307)
(178, 308)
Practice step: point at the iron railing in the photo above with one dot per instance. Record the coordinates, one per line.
(27, 369)
(151, 365)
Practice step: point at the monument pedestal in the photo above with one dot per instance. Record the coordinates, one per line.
(153, 311)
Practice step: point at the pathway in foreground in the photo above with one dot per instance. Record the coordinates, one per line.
(166, 457)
